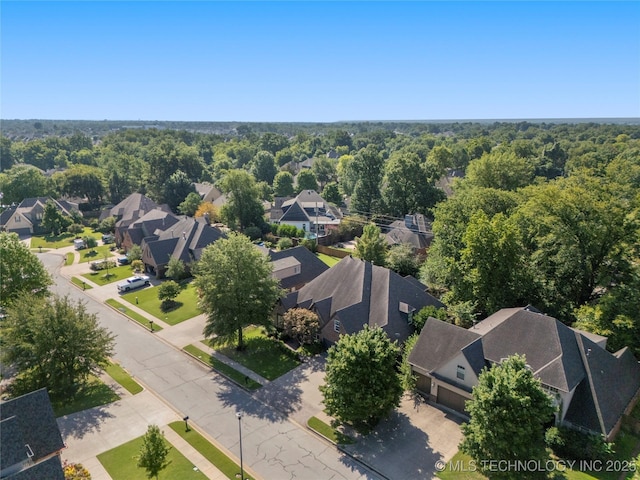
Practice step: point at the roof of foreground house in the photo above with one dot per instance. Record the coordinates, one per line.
(310, 265)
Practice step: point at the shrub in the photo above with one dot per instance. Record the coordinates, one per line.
(309, 244)
(137, 265)
(108, 225)
(135, 253)
(253, 232)
(285, 243)
(289, 231)
(94, 224)
(167, 292)
(102, 265)
(574, 445)
(90, 242)
(75, 229)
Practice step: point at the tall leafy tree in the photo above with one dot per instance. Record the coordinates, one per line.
(500, 169)
(153, 452)
(361, 383)
(307, 181)
(53, 220)
(23, 181)
(20, 270)
(236, 287)
(371, 246)
(264, 167)
(507, 416)
(368, 165)
(54, 343)
(402, 259)
(283, 185)
(243, 208)
(84, 181)
(190, 204)
(324, 170)
(331, 193)
(176, 189)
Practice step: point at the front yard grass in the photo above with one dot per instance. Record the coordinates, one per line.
(266, 356)
(94, 394)
(115, 274)
(329, 432)
(186, 301)
(226, 370)
(80, 283)
(135, 316)
(63, 240)
(121, 463)
(97, 253)
(228, 467)
(460, 467)
(121, 376)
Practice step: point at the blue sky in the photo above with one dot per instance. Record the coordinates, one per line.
(319, 61)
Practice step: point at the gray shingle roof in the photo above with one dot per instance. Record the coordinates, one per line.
(310, 266)
(130, 209)
(362, 293)
(49, 469)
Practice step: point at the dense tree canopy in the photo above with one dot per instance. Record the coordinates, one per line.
(371, 246)
(361, 383)
(243, 208)
(236, 287)
(54, 343)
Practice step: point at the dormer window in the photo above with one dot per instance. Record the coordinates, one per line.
(460, 372)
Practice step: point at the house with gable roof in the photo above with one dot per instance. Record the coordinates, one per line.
(30, 438)
(414, 230)
(591, 387)
(157, 220)
(132, 208)
(26, 218)
(183, 240)
(354, 293)
(308, 211)
(295, 267)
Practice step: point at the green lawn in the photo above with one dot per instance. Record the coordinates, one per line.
(62, 240)
(121, 376)
(79, 283)
(97, 253)
(329, 432)
(460, 467)
(328, 260)
(223, 463)
(265, 356)
(115, 274)
(229, 372)
(132, 315)
(148, 301)
(94, 394)
(121, 464)
(68, 259)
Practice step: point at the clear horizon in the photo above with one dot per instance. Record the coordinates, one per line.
(319, 61)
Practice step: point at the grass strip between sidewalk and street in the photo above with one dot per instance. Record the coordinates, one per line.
(329, 432)
(135, 316)
(121, 463)
(68, 259)
(209, 451)
(220, 367)
(121, 376)
(79, 283)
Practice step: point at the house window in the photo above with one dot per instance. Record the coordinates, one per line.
(38, 216)
(460, 372)
(17, 218)
(336, 326)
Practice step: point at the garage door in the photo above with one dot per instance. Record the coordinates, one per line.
(451, 399)
(423, 384)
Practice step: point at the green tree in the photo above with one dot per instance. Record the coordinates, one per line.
(500, 169)
(167, 292)
(153, 452)
(135, 253)
(176, 269)
(368, 166)
(90, 242)
(84, 181)
(53, 343)
(361, 383)
(331, 193)
(107, 225)
(420, 318)
(7, 157)
(307, 181)
(507, 416)
(236, 287)
(284, 243)
(273, 142)
(75, 229)
(371, 246)
(407, 376)
(20, 270)
(243, 208)
(301, 324)
(283, 185)
(324, 170)
(176, 189)
(53, 219)
(190, 205)
(23, 181)
(263, 167)
(401, 259)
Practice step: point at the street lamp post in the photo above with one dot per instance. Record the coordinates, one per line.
(239, 415)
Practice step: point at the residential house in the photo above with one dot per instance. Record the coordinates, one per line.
(132, 208)
(184, 240)
(591, 387)
(295, 267)
(414, 230)
(30, 438)
(353, 293)
(26, 218)
(150, 223)
(207, 192)
(309, 212)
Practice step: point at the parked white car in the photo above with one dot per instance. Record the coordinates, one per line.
(133, 282)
